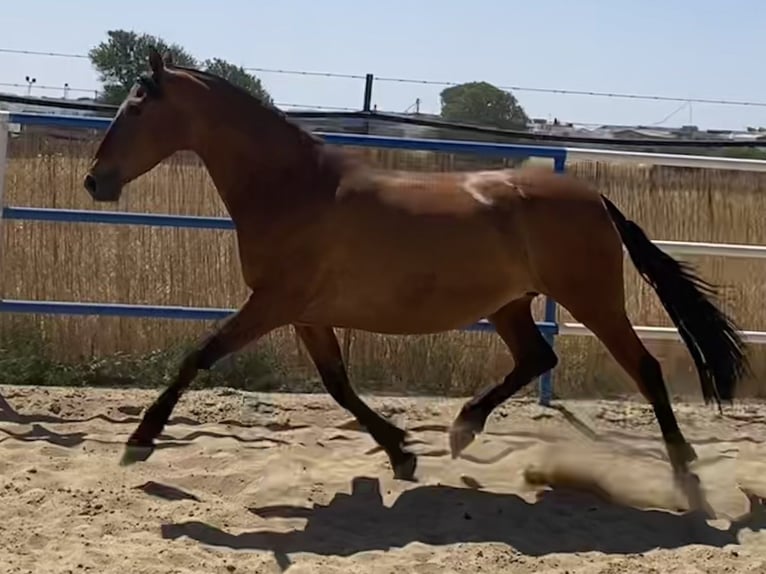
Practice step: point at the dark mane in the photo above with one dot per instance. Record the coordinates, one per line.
(210, 78)
(218, 80)
(247, 98)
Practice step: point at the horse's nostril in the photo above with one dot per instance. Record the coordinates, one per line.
(90, 183)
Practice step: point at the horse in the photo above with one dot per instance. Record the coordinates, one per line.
(328, 241)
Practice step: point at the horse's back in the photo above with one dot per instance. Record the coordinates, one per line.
(427, 193)
(448, 248)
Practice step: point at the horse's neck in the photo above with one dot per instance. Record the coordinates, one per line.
(263, 173)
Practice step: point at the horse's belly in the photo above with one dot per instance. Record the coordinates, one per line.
(420, 302)
(429, 275)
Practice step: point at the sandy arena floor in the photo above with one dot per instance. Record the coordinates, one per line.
(247, 483)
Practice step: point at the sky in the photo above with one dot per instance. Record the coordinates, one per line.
(680, 48)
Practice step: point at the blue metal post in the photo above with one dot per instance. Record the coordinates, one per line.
(545, 389)
(3, 168)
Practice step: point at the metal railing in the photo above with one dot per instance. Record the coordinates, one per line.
(548, 327)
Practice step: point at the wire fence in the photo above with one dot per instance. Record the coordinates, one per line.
(442, 83)
(428, 124)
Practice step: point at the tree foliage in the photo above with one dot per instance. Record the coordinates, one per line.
(122, 58)
(484, 104)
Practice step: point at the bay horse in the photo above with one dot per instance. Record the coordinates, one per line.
(326, 241)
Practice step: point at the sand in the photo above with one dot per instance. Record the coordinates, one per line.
(249, 483)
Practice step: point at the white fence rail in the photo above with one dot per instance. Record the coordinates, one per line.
(667, 159)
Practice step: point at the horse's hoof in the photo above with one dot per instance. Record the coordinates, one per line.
(136, 453)
(404, 469)
(687, 453)
(681, 455)
(461, 434)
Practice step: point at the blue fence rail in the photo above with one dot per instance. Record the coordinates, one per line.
(548, 327)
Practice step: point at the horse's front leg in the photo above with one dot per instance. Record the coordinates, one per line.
(322, 345)
(263, 312)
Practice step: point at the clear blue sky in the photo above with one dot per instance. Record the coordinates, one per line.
(685, 48)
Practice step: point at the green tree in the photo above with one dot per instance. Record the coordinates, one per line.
(484, 104)
(122, 58)
(239, 76)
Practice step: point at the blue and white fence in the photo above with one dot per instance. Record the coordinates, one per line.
(549, 326)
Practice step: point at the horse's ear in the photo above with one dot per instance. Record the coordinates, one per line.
(168, 58)
(156, 62)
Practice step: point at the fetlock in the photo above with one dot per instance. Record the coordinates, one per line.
(473, 417)
(680, 453)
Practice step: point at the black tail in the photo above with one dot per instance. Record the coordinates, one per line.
(711, 337)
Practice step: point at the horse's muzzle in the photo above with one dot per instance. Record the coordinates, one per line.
(103, 187)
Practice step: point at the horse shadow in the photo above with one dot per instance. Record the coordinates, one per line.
(559, 520)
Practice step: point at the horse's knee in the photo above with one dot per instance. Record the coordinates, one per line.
(204, 356)
(537, 362)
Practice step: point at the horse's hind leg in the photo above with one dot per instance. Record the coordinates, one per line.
(598, 303)
(532, 355)
(614, 330)
(616, 333)
(322, 345)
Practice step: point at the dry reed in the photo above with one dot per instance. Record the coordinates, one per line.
(83, 262)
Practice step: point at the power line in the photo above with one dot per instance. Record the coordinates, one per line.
(315, 107)
(249, 68)
(44, 87)
(38, 53)
(92, 91)
(561, 91)
(585, 93)
(671, 114)
(304, 73)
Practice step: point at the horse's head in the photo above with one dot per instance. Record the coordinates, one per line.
(148, 127)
